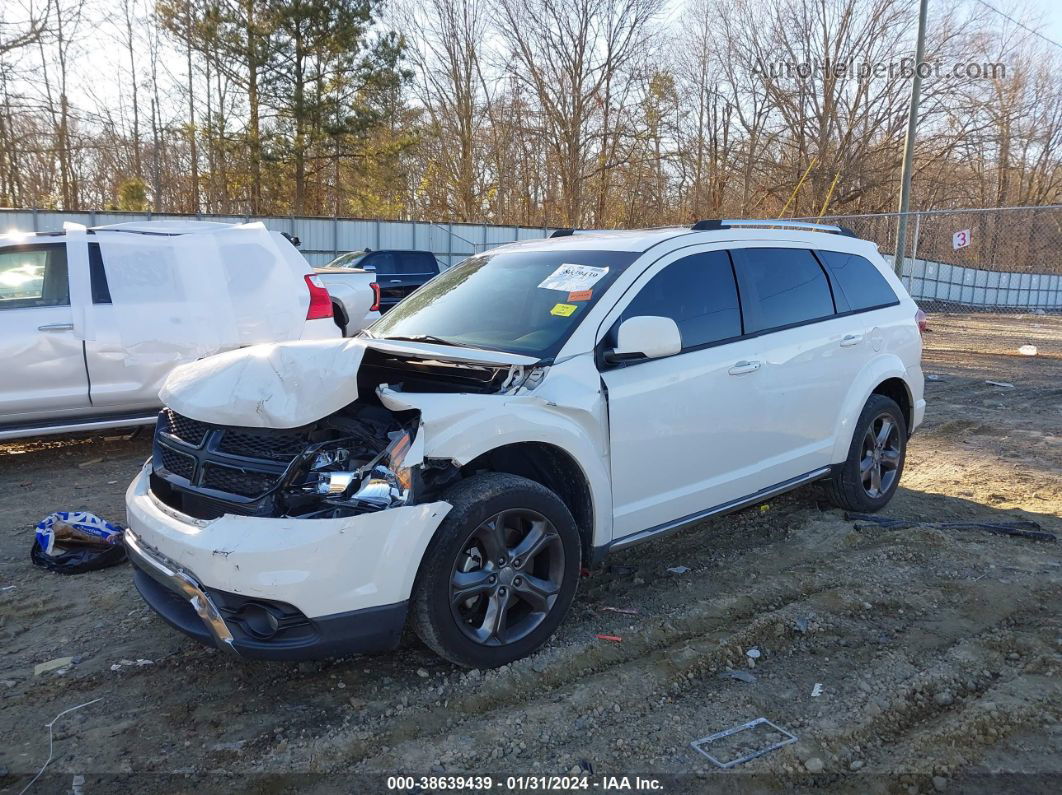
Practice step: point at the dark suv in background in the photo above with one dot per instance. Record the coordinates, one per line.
(398, 272)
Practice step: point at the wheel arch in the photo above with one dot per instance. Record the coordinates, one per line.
(339, 315)
(552, 467)
(886, 376)
(896, 389)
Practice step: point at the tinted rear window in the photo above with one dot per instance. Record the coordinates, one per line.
(698, 293)
(781, 287)
(862, 284)
(101, 292)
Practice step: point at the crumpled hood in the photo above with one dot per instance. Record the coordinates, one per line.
(275, 385)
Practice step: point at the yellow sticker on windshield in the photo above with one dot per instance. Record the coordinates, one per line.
(564, 310)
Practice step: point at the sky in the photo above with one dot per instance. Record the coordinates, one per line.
(108, 61)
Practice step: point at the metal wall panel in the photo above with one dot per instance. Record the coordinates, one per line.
(322, 238)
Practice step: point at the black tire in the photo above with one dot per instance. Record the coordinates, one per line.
(496, 511)
(852, 486)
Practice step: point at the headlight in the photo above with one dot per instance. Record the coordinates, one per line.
(384, 482)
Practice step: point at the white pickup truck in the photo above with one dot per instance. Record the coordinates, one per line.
(355, 297)
(93, 320)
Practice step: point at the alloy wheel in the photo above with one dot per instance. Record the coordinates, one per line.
(880, 458)
(507, 578)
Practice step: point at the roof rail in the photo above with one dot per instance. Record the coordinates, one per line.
(562, 232)
(711, 224)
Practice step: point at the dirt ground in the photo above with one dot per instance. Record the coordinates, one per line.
(937, 652)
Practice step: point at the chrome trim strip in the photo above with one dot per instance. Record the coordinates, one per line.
(726, 507)
(168, 574)
(21, 431)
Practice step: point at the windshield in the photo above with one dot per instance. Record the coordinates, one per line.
(526, 302)
(348, 260)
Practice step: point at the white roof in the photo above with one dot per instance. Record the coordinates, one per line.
(172, 227)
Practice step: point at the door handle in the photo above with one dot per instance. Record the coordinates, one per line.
(396, 281)
(56, 327)
(848, 340)
(743, 367)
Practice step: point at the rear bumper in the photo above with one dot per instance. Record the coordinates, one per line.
(279, 588)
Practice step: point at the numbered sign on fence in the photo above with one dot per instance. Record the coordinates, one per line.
(960, 239)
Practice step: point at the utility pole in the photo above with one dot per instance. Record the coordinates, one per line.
(909, 141)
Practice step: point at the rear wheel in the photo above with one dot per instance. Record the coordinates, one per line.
(500, 573)
(870, 475)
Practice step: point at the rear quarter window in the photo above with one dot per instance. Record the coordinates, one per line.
(862, 284)
(101, 292)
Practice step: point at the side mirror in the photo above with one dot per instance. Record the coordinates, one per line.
(648, 337)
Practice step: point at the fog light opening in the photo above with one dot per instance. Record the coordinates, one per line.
(259, 621)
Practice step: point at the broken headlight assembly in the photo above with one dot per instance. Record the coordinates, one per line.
(332, 479)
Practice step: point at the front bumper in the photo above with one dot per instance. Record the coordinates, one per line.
(279, 588)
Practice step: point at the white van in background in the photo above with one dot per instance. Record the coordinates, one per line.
(93, 320)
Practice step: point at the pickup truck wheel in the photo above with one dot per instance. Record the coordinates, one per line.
(869, 477)
(500, 573)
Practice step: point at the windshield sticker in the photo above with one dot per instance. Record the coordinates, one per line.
(563, 310)
(573, 278)
(580, 295)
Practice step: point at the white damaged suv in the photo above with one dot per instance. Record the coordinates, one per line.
(513, 421)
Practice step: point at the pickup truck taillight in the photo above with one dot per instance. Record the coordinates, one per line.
(920, 319)
(320, 300)
(375, 297)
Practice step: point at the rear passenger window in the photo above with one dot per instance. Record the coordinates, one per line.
(101, 292)
(781, 287)
(862, 283)
(33, 276)
(699, 294)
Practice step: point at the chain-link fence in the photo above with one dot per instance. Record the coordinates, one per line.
(990, 280)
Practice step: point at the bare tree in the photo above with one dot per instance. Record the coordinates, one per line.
(569, 53)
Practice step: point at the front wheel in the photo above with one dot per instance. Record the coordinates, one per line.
(500, 573)
(869, 477)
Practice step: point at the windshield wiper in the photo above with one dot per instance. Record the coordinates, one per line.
(428, 338)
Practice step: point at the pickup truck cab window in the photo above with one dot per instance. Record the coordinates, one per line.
(383, 262)
(415, 263)
(101, 292)
(34, 276)
(781, 287)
